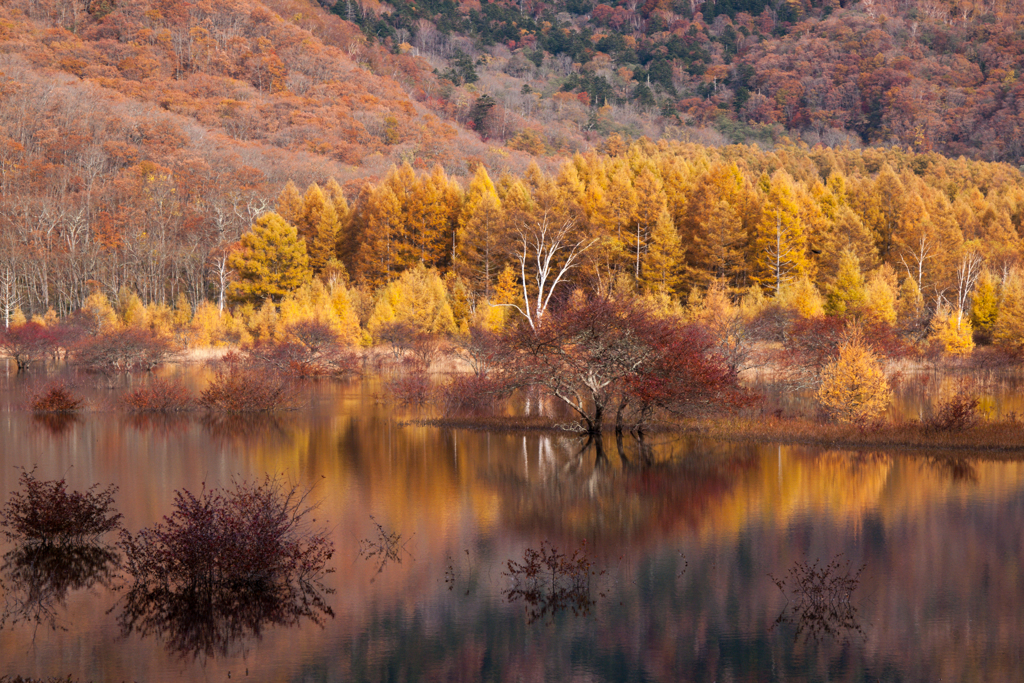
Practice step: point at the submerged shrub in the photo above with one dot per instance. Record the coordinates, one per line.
(161, 396)
(45, 512)
(242, 387)
(410, 389)
(56, 397)
(254, 536)
(225, 565)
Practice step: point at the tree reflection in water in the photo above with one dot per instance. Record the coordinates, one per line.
(960, 470)
(36, 579)
(207, 623)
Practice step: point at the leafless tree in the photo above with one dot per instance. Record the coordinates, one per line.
(546, 252)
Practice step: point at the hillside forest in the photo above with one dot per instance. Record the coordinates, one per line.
(220, 169)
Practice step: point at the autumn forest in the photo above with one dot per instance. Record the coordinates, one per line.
(138, 142)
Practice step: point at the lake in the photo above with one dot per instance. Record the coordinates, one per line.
(692, 553)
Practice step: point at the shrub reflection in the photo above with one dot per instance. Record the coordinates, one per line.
(206, 623)
(36, 579)
(550, 582)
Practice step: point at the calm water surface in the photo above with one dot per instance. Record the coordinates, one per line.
(683, 550)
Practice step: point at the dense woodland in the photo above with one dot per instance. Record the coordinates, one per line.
(150, 153)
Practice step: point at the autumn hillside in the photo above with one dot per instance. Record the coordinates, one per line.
(237, 70)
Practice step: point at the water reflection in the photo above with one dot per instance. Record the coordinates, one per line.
(957, 469)
(941, 539)
(222, 621)
(550, 582)
(819, 599)
(37, 578)
(56, 423)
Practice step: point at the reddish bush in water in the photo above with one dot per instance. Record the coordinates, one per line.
(957, 413)
(412, 388)
(27, 343)
(225, 565)
(471, 393)
(45, 512)
(161, 396)
(119, 351)
(56, 397)
(241, 386)
(311, 349)
(254, 537)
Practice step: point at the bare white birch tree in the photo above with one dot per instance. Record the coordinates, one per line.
(546, 252)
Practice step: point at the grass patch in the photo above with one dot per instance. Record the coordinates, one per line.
(1004, 436)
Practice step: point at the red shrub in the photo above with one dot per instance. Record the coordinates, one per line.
(44, 512)
(958, 413)
(27, 343)
(56, 397)
(123, 351)
(471, 393)
(241, 387)
(413, 388)
(311, 350)
(161, 396)
(226, 564)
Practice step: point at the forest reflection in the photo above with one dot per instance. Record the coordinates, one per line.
(687, 531)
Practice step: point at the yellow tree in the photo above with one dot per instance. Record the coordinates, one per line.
(985, 302)
(289, 203)
(270, 261)
(853, 385)
(846, 295)
(714, 225)
(1008, 330)
(779, 245)
(880, 295)
(482, 239)
(314, 203)
(431, 211)
(323, 249)
(951, 331)
(417, 298)
(662, 271)
(651, 209)
(382, 225)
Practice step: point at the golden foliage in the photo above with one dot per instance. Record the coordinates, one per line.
(854, 387)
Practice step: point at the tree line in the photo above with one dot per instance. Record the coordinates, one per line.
(927, 244)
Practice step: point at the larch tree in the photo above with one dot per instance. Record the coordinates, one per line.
(662, 271)
(382, 227)
(846, 296)
(985, 302)
(853, 386)
(481, 239)
(289, 203)
(314, 204)
(323, 248)
(779, 245)
(880, 295)
(1008, 330)
(270, 260)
